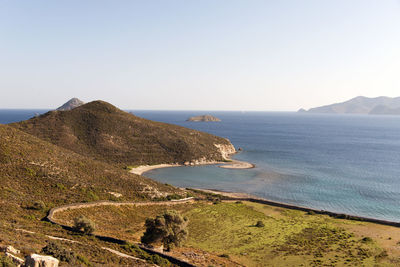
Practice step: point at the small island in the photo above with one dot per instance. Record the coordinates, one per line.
(203, 118)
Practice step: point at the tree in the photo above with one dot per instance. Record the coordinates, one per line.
(84, 225)
(168, 229)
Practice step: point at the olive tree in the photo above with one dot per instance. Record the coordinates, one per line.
(168, 229)
(84, 225)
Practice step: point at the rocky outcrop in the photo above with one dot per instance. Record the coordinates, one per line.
(71, 104)
(16, 260)
(204, 118)
(35, 260)
(226, 150)
(10, 249)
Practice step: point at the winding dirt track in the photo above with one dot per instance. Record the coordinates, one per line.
(53, 211)
(179, 262)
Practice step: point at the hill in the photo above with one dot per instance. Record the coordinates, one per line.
(32, 169)
(104, 132)
(71, 104)
(36, 176)
(362, 105)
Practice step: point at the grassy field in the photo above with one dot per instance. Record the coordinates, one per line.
(226, 232)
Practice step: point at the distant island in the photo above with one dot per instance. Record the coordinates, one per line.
(71, 104)
(361, 105)
(203, 118)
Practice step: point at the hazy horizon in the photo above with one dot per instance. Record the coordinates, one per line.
(198, 55)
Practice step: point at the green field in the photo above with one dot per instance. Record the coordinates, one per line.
(289, 238)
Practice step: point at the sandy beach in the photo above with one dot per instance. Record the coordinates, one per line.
(145, 168)
(233, 164)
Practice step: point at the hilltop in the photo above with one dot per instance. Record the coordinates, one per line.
(104, 132)
(71, 104)
(362, 105)
(204, 118)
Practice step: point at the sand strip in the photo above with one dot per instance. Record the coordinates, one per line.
(236, 164)
(233, 164)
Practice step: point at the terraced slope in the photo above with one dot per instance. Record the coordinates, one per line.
(106, 133)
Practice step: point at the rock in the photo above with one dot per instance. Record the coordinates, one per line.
(35, 260)
(226, 150)
(115, 194)
(10, 249)
(16, 260)
(204, 118)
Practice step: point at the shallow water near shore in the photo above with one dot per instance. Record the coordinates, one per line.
(340, 163)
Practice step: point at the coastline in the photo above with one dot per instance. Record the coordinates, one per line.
(232, 164)
(237, 196)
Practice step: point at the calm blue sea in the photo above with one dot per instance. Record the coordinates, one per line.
(341, 163)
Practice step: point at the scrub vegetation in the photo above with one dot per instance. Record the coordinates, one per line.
(104, 132)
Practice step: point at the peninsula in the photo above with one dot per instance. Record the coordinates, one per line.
(361, 105)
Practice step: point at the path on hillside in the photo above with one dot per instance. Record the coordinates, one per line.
(116, 252)
(177, 261)
(53, 211)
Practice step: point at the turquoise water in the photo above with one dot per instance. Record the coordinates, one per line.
(348, 164)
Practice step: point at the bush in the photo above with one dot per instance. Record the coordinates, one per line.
(6, 262)
(38, 205)
(366, 239)
(168, 228)
(84, 260)
(84, 225)
(59, 252)
(260, 224)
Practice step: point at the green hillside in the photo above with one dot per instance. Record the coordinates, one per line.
(106, 133)
(32, 169)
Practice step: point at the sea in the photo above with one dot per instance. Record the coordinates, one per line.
(340, 163)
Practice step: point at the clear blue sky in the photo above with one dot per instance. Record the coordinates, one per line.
(199, 55)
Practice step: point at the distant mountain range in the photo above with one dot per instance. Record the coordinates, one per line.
(362, 105)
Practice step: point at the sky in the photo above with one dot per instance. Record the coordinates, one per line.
(198, 55)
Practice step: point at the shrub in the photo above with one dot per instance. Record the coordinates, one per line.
(224, 256)
(168, 228)
(59, 252)
(174, 196)
(6, 262)
(217, 201)
(38, 205)
(84, 225)
(84, 260)
(366, 239)
(260, 224)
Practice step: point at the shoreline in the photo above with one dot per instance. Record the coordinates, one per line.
(232, 164)
(236, 164)
(252, 198)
